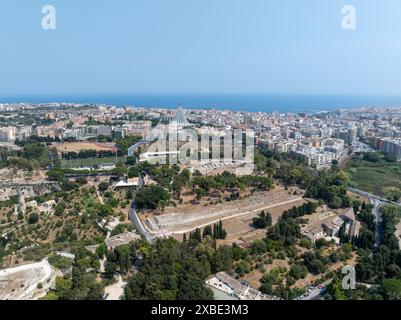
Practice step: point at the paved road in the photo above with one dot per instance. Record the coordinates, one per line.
(370, 195)
(379, 230)
(317, 293)
(133, 148)
(133, 216)
(378, 203)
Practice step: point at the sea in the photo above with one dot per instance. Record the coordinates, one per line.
(238, 102)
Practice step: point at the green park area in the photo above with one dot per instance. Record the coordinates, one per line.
(375, 173)
(89, 162)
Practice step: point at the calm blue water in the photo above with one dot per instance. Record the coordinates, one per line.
(251, 103)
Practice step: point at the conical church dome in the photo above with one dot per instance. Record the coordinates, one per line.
(179, 119)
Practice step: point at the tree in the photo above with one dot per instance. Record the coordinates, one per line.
(149, 197)
(172, 270)
(342, 235)
(258, 247)
(336, 202)
(103, 186)
(207, 231)
(33, 218)
(366, 239)
(197, 235)
(218, 231)
(391, 289)
(316, 266)
(320, 243)
(110, 268)
(191, 288)
(298, 271)
(104, 210)
(335, 290)
(262, 221)
(124, 260)
(200, 193)
(286, 230)
(242, 268)
(222, 259)
(63, 288)
(371, 156)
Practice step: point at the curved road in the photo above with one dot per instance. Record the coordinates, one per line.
(378, 202)
(133, 148)
(133, 216)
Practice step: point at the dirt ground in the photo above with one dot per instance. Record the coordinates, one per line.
(83, 145)
(21, 176)
(254, 276)
(355, 196)
(187, 217)
(241, 227)
(21, 283)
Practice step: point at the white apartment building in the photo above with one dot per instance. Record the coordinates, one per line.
(7, 134)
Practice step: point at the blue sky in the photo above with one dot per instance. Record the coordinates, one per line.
(200, 46)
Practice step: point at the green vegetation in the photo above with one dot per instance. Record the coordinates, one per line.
(381, 267)
(88, 162)
(32, 156)
(60, 262)
(374, 173)
(328, 185)
(152, 197)
(300, 211)
(262, 221)
(33, 218)
(37, 252)
(88, 153)
(124, 143)
(79, 284)
(172, 270)
(169, 269)
(217, 232)
(228, 180)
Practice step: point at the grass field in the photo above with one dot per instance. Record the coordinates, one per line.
(88, 162)
(381, 178)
